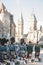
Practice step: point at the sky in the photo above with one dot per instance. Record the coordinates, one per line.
(27, 7)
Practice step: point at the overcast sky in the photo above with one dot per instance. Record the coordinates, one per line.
(26, 7)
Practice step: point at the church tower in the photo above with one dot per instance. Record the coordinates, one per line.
(33, 23)
(20, 27)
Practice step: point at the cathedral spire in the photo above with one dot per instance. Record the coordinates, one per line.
(33, 21)
(2, 8)
(21, 17)
(20, 27)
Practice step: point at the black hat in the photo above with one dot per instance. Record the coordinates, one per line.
(3, 41)
(12, 39)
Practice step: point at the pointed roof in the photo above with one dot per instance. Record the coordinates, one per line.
(33, 16)
(2, 7)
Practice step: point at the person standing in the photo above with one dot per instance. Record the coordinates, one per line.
(3, 50)
(37, 52)
(22, 49)
(12, 49)
(29, 51)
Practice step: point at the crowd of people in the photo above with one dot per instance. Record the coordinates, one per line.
(10, 50)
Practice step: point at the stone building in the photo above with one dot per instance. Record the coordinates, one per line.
(12, 26)
(1, 29)
(32, 29)
(8, 23)
(20, 27)
(34, 34)
(33, 23)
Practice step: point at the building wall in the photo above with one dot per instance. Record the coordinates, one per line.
(20, 27)
(6, 19)
(12, 26)
(33, 23)
(1, 29)
(12, 30)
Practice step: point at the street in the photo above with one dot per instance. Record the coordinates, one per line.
(35, 63)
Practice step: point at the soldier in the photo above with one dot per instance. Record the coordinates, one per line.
(3, 50)
(12, 49)
(29, 51)
(37, 52)
(23, 49)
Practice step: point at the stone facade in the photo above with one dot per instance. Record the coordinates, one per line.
(34, 34)
(7, 20)
(33, 23)
(12, 26)
(1, 29)
(20, 27)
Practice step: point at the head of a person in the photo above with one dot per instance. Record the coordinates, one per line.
(7, 40)
(12, 40)
(37, 42)
(22, 41)
(29, 42)
(4, 41)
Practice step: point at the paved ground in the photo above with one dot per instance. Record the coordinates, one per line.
(29, 63)
(35, 63)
